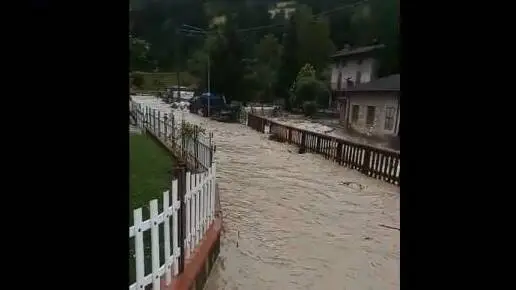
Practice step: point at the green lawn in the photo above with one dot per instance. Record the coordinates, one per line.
(151, 169)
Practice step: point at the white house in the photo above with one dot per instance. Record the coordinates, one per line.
(284, 8)
(373, 108)
(354, 66)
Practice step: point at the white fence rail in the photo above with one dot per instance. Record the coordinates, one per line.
(199, 204)
(198, 208)
(137, 230)
(198, 146)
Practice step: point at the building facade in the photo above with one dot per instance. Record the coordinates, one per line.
(352, 67)
(373, 109)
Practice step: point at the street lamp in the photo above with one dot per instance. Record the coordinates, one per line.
(192, 30)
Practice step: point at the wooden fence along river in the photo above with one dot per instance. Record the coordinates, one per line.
(378, 163)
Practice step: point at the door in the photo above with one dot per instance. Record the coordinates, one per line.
(371, 115)
(342, 110)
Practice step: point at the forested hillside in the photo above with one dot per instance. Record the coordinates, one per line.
(252, 55)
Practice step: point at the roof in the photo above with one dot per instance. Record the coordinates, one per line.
(385, 84)
(358, 50)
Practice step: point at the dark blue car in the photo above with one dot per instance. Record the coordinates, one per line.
(199, 104)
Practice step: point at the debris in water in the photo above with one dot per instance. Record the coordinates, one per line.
(389, 227)
(354, 185)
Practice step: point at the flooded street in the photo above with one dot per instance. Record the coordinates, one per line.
(296, 221)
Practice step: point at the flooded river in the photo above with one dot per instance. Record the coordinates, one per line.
(296, 221)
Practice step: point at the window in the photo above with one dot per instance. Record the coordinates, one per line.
(339, 81)
(354, 114)
(349, 83)
(389, 118)
(370, 115)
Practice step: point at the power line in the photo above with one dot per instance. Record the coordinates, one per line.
(339, 8)
(257, 28)
(327, 12)
(260, 27)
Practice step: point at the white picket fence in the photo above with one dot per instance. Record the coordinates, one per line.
(169, 130)
(200, 207)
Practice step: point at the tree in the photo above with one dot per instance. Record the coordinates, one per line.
(307, 40)
(137, 80)
(307, 88)
(156, 23)
(289, 63)
(385, 23)
(268, 51)
(197, 66)
(264, 67)
(245, 62)
(314, 43)
(224, 50)
(138, 51)
(377, 22)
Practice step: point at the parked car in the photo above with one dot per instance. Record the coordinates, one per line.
(229, 113)
(177, 94)
(199, 104)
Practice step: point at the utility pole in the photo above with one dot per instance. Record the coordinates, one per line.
(192, 31)
(178, 67)
(209, 84)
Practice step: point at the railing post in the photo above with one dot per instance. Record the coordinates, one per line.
(196, 146)
(339, 153)
(173, 131)
(165, 125)
(289, 135)
(154, 120)
(159, 124)
(140, 115)
(144, 113)
(147, 121)
(212, 149)
(183, 140)
(367, 160)
(303, 140)
(181, 186)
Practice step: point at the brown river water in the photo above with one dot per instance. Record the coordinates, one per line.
(297, 221)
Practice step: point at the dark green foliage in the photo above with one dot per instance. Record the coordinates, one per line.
(137, 80)
(309, 108)
(257, 64)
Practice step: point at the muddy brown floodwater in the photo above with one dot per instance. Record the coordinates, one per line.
(296, 221)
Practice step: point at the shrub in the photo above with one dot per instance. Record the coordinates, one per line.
(309, 108)
(189, 130)
(137, 80)
(307, 89)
